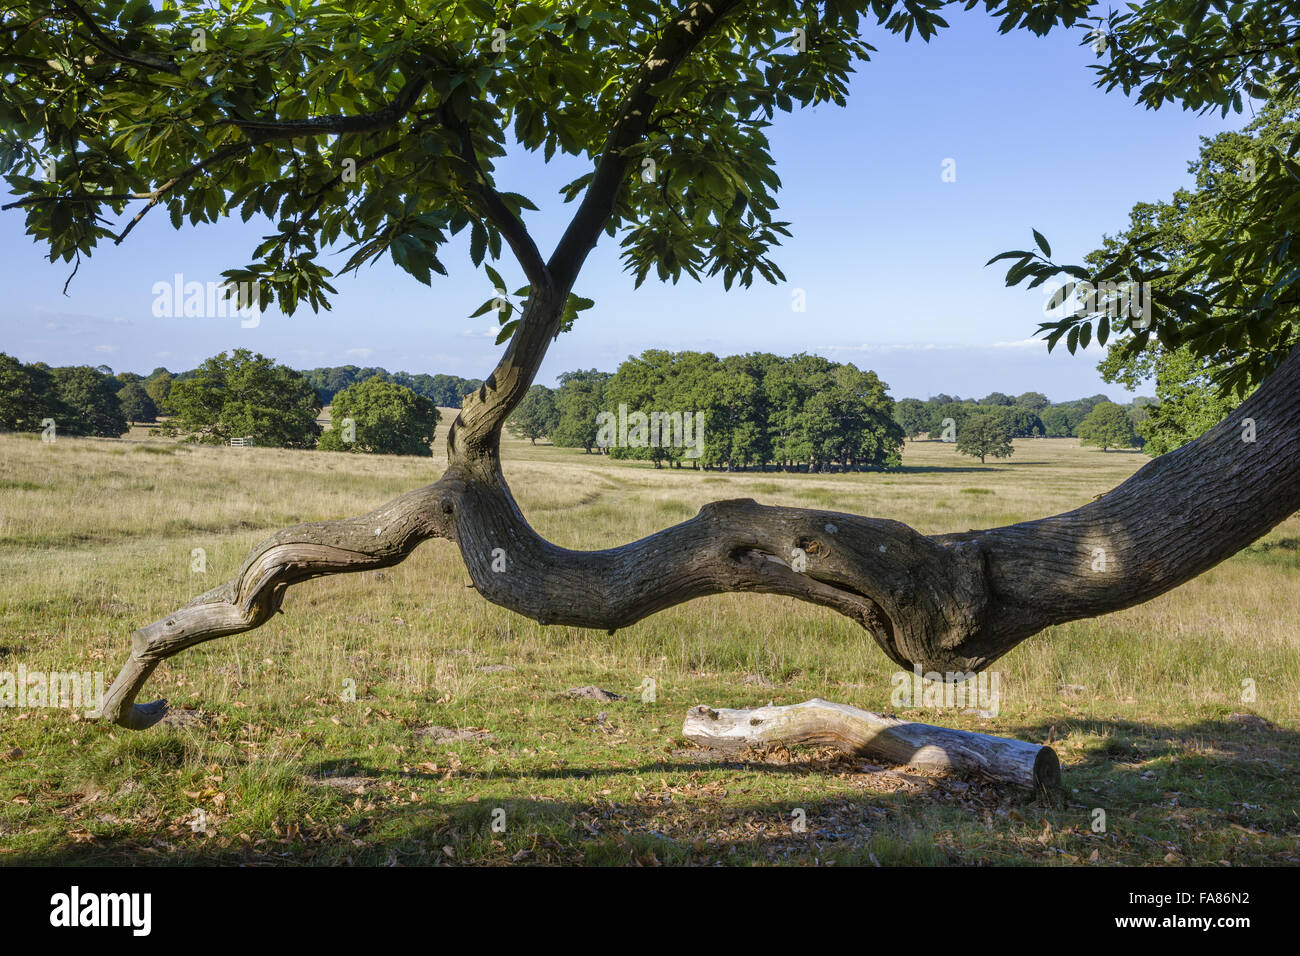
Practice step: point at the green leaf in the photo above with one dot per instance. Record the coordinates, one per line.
(1042, 243)
(507, 330)
(477, 243)
(1014, 254)
(488, 306)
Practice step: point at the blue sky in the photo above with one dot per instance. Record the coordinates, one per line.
(889, 256)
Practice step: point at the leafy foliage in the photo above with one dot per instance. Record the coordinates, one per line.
(1220, 263)
(373, 125)
(27, 395)
(756, 410)
(385, 419)
(985, 433)
(158, 386)
(88, 403)
(579, 400)
(137, 406)
(240, 394)
(443, 390)
(1188, 402)
(537, 415)
(1108, 426)
(912, 416)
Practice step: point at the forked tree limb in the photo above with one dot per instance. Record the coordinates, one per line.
(822, 723)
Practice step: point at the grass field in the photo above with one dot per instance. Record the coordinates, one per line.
(265, 761)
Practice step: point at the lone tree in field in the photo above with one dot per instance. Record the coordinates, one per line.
(985, 433)
(381, 418)
(536, 417)
(1108, 426)
(374, 124)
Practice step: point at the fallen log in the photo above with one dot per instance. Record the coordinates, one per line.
(900, 742)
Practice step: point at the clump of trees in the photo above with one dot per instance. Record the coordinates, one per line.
(579, 400)
(537, 415)
(242, 394)
(80, 400)
(137, 406)
(88, 401)
(381, 417)
(229, 396)
(1108, 426)
(753, 411)
(984, 434)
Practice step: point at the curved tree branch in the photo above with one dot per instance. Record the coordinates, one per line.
(381, 538)
(952, 602)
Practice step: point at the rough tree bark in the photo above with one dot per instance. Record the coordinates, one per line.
(950, 602)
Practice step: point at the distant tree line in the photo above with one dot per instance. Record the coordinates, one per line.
(759, 410)
(232, 395)
(78, 399)
(1029, 415)
(444, 390)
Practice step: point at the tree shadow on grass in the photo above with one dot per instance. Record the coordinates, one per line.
(1197, 793)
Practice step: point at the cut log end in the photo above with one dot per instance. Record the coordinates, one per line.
(901, 742)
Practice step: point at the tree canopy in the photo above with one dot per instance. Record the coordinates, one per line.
(985, 434)
(381, 417)
(1214, 267)
(27, 395)
(240, 394)
(137, 406)
(537, 416)
(1108, 426)
(375, 123)
(444, 390)
(87, 402)
(741, 411)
